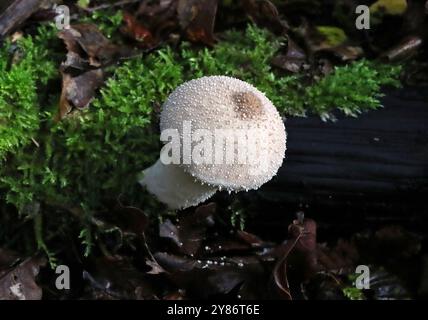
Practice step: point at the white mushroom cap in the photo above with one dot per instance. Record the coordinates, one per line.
(220, 102)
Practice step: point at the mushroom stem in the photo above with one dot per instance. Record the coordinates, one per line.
(175, 187)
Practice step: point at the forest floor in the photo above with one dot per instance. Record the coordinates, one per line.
(81, 88)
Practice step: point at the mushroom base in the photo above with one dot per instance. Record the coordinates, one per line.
(174, 187)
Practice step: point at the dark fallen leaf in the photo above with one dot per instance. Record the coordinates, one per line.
(155, 267)
(213, 276)
(240, 242)
(343, 257)
(265, 14)
(89, 43)
(156, 8)
(138, 32)
(75, 61)
(280, 278)
(304, 254)
(130, 219)
(43, 15)
(78, 92)
(174, 263)
(197, 18)
(16, 13)
(298, 256)
(250, 238)
(17, 279)
(88, 51)
(160, 18)
(117, 278)
(168, 230)
(191, 229)
(323, 286)
(293, 60)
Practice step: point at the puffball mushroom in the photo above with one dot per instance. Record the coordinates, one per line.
(217, 106)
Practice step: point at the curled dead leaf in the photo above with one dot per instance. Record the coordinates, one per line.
(77, 92)
(18, 279)
(293, 60)
(90, 44)
(299, 254)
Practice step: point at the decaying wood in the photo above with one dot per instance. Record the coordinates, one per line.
(381, 155)
(16, 13)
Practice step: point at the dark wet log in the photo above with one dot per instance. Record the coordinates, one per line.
(353, 174)
(380, 156)
(14, 13)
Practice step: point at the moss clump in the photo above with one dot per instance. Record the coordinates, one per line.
(23, 67)
(333, 35)
(352, 88)
(93, 156)
(392, 7)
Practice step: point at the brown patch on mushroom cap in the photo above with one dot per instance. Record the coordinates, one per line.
(247, 105)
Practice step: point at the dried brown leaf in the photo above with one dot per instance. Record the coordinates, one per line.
(191, 229)
(90, 44)
(18, 281)
(299, 253)
(293, 60)
(139, 32)
(77, 92)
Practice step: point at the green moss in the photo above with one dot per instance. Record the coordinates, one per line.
(94, 156)
(108, 21)
(352, 89)
(353, 293)
(23, 67)
(333, 35)
(350, 290)
(114, 136)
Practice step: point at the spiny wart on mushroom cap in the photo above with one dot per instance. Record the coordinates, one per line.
(212, 103)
